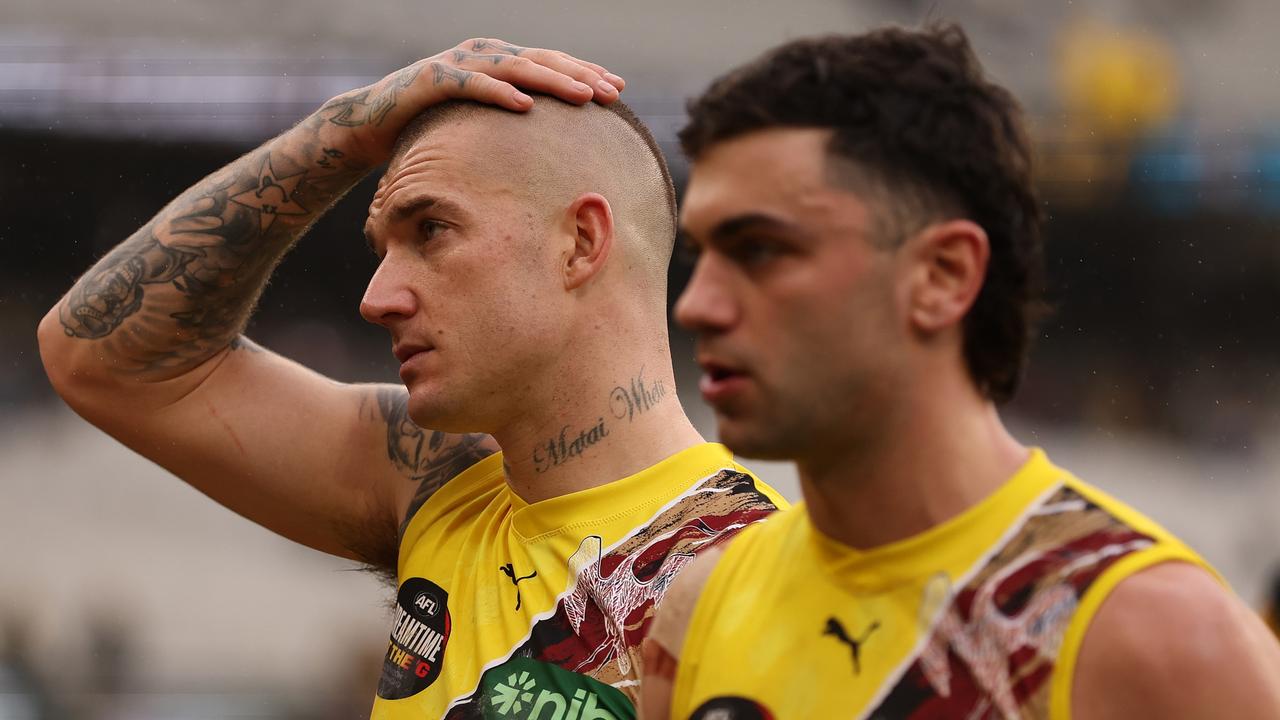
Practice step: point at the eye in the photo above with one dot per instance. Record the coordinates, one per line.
(428, 229)
(753, 252)
(688, 251)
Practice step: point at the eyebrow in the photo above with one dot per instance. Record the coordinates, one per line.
(739, 224)
(409, 208)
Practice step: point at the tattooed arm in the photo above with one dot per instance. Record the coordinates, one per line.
(147, 343)
(182, 287)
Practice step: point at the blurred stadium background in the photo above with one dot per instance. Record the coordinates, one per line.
(126, 595)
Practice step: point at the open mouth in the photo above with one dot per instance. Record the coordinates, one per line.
(719, 382)
(718, 373)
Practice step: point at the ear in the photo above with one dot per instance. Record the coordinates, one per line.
(591, 219)
(951, 264)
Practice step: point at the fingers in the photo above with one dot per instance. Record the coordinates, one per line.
(589, 74)
(483, 69)
(496, 72)
(527, 69)
(519, 72)
(444, 80)
(614, 80)
(455, 82)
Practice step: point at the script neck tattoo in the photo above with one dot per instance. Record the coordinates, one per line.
(566, 446)
(627, 402)
(637, 398)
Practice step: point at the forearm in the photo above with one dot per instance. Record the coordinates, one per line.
(183, 286)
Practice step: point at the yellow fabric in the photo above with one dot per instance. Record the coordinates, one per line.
(792, 624)
(467, 547)
(1170, 550)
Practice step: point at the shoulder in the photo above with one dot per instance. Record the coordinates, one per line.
(661, 648)
(676, 609)
(675, 613)
(1171, 641)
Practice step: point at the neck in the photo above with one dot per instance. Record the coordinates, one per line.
(939, 453)
(607, 424)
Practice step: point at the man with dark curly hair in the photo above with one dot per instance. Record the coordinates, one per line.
(863, 299)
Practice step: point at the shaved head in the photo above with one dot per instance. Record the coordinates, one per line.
(556, 152)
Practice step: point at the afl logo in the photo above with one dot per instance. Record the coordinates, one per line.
(425, 602)
(415, 653)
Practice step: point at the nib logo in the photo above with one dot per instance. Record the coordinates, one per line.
(525, 689)
(512, 697)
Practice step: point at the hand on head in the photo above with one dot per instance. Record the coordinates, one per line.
(481, 69)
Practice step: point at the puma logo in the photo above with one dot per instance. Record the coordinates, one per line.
(510, 571)
(836, 630)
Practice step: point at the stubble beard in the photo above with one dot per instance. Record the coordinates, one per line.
(767, 434)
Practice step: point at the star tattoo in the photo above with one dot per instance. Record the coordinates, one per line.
(273, 196)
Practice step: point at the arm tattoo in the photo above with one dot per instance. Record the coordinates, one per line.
(183, 285)
(326, 159)
(358, 109)
(112, 290)
(428, 461)
(364, 107)
(274, 195)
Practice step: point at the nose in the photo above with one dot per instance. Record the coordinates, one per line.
(388, 297)
(706, 305)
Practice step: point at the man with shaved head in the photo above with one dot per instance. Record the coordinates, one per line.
(535, 486)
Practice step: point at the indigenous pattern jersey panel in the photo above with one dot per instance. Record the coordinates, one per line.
(511, 610)
(980, 617)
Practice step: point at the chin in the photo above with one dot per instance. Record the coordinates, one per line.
(433, 414)
(759, 440)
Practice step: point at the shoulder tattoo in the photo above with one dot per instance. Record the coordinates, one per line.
(427, 458)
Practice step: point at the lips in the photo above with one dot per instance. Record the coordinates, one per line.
(413, 364)
(406, 351)
(720, 381)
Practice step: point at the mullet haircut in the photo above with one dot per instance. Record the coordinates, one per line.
(914, 119)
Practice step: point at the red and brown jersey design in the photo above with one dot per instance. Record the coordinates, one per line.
(993, 644)
(600, 620)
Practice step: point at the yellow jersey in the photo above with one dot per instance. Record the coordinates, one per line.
(511, 610)
(979, 617)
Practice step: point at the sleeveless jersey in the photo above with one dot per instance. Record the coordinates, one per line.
(511, 610)
(979, 617)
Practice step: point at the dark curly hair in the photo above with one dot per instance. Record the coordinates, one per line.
(924, 133)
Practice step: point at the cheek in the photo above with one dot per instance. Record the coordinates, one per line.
(510, 309)
(825, 331)
(867, 350)
(803, 315)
